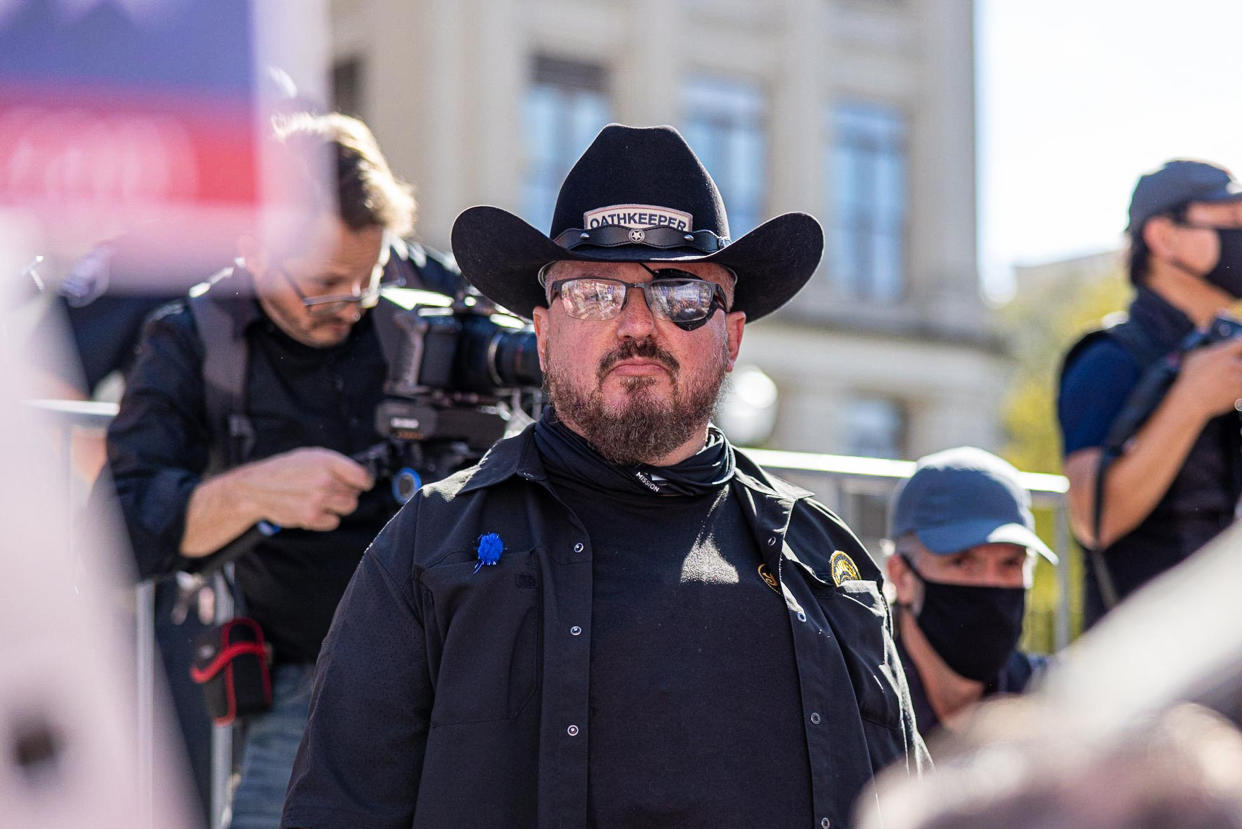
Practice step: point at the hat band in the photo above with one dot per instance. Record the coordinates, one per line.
(659, 236)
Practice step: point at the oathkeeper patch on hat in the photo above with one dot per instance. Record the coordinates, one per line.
(640, 216)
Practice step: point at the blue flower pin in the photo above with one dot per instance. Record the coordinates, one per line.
(490, 547)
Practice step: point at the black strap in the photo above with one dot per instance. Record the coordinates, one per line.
(225, 360)
(390, 334)
(659, 236)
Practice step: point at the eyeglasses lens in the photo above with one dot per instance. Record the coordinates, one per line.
(680, 299)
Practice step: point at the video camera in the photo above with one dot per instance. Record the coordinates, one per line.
(462, 374)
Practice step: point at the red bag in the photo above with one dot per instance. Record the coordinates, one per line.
(231, 666)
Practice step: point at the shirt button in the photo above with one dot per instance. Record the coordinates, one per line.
(815, 718)
(575, 631)
(572, 731)
(578, 547)
(772, 541)
(801, 616)
(825, 823)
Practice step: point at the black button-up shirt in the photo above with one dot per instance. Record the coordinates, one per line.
(450, 697)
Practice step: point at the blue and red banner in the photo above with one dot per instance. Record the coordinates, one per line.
(144, 109)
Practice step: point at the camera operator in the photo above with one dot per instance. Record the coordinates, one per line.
(194, 468)
(1174, 484)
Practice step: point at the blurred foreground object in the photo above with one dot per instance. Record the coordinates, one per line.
(94, 143)
(72, 752)
(141, 120)
(1180, 768)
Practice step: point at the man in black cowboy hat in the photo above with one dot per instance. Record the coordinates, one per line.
(615, 618)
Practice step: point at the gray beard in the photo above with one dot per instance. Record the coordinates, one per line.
(645, 428)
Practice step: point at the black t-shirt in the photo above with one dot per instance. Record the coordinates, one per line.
(694, 699)
(303, 396)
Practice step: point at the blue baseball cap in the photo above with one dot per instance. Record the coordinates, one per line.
(1179, 182)
(963, 497)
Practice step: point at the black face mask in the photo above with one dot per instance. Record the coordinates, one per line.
(974, 629)
(1227, 275)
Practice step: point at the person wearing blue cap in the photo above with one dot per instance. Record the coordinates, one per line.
(1146, 491)
(964, 549)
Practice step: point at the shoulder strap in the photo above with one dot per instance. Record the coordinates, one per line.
(225, 360)
(1128, 335)
(1121, 330)
(386, 328)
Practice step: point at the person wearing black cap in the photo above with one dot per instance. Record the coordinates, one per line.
(964, 549)
(1171, 486)
(615, 619)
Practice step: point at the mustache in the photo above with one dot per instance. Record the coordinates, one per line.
(647, 349)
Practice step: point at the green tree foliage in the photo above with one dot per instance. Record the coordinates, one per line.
(1054, 306)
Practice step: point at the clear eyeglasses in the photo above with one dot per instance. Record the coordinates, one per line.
(675, 295)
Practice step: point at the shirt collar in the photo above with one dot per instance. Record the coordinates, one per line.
(1167, 324)
(515, 456)
(518, 456)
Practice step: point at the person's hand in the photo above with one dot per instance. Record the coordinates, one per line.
(1210, 381)
(310, 488)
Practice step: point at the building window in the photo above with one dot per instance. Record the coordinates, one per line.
(724, 121)
(868, 183)
(566, 106)
(347, 79)
(873, 427)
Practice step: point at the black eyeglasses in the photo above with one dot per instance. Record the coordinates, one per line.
(675, 295)
(333, 303)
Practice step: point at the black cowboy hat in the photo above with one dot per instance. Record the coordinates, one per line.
(637, 195)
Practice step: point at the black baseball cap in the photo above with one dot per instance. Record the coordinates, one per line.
(961, 498)
(1179, 182)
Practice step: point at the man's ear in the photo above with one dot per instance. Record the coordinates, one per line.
(1158, 235)
(540, 317)
(735, 324)
(902, 579)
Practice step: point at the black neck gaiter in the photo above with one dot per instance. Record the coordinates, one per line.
(570, 454)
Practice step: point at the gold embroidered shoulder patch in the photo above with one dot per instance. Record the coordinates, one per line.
(768, 578)
(843, 568)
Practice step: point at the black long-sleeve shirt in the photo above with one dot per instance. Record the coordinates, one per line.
(296, 396)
